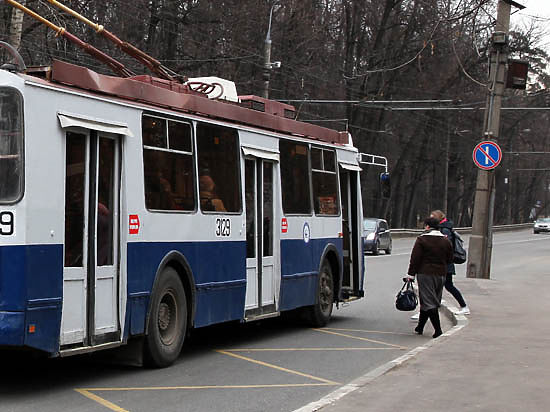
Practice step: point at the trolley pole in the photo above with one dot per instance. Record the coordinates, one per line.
(481, 241)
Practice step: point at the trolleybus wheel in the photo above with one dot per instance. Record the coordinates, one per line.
(167, 321)
(319, 314)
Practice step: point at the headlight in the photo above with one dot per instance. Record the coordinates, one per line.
(370, 236)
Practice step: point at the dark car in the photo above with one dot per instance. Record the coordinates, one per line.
(376, 236)
(542, 224)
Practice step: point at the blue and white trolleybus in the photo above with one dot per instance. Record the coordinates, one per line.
(140, 208)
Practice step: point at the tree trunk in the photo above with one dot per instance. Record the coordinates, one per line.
(16, 27)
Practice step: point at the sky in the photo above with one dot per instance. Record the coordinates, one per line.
(535, 10)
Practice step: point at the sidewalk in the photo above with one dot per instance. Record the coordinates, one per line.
(500, 361)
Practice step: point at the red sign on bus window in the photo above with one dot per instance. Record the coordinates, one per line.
(133, 224)
(284, 225)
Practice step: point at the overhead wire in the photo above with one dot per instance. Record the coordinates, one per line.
(259, 65)
(388, 69)
(133, 16)
(463, 69)
(434, 127)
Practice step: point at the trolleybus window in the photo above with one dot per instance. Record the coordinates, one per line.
(219, 182)
(105, 205)
(325, 185)
(11, 144)
(295, 177)
(75, 170)
(168, 164)
(250, 191)
(268, 209)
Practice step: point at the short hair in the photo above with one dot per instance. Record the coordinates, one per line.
(431, 222)
(438, 214)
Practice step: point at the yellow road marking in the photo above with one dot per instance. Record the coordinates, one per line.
(359, 338)
(230, 352)
(368, 331)
(101, 401)
(301, 349)
(171, 388)
(109, 405)
(269, 365)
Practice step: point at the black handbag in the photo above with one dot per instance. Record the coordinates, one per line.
(406, 299)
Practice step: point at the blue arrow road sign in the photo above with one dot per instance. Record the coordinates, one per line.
(487, 155)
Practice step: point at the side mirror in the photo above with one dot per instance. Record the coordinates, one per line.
(385, 185)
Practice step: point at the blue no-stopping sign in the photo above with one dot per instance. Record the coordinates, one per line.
(487, 155)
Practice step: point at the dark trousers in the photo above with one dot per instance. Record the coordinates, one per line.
(451, 288)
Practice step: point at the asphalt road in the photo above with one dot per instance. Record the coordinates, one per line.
(275, 365)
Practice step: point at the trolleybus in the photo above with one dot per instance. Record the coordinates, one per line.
(139, 208)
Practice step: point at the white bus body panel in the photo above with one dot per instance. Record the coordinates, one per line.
(45, 194)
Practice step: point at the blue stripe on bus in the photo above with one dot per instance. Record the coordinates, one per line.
(31, 284)
(300, 263)
(12, 328)
(219, 270)
(221, 287)
(31, 291)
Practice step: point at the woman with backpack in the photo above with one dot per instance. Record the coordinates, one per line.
(446, 227)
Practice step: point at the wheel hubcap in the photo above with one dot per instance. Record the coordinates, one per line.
(167, 318)
(325, 295)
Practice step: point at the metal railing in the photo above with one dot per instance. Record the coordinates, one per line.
(399, 233)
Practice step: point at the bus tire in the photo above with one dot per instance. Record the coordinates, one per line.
(167, 321)
(320, 313)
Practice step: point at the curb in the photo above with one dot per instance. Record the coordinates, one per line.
(459, 322)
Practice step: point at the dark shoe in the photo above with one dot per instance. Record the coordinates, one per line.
(422, 319)
(434, 318)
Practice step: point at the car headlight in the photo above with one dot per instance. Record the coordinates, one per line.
(370, 236)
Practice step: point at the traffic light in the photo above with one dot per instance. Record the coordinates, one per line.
(518, 72)
(385, 185)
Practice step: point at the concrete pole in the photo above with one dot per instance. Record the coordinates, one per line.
(481, 240)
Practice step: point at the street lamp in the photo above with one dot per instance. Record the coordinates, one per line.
(268, 64)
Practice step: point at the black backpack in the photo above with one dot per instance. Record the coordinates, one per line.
(459, 253)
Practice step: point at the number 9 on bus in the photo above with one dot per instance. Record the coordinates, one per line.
(7, 223)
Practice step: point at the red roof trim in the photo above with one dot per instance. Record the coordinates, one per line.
(137, 90)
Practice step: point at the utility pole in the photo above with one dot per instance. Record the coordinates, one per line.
(481, 241)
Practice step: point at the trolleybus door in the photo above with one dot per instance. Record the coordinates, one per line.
(261, 244)
(350, 223)
(90, 277)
